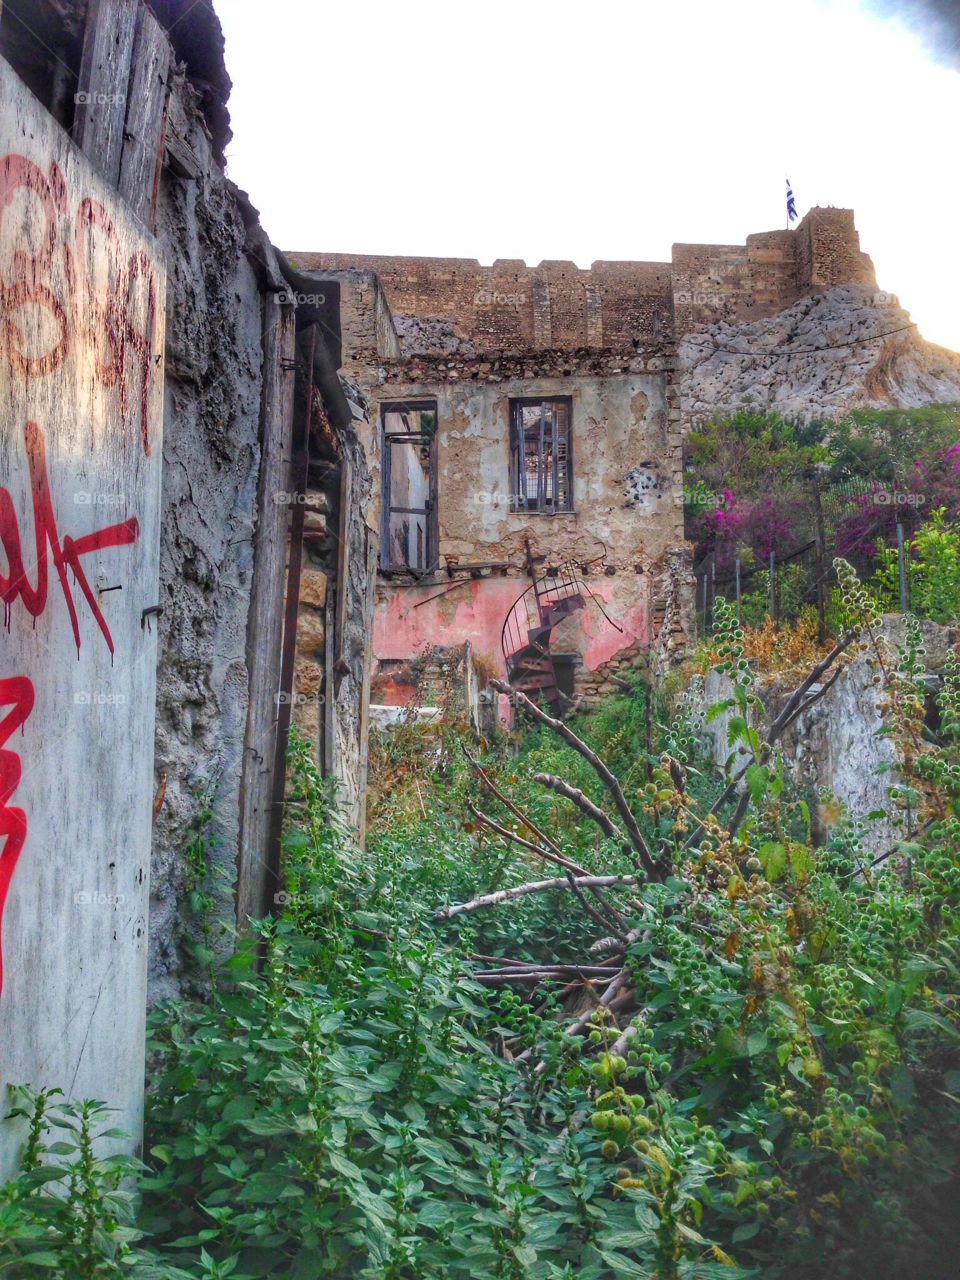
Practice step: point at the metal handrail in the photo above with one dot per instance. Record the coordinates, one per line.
(552, 586)
(512, 625)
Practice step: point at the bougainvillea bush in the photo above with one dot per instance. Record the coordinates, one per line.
(759, 487)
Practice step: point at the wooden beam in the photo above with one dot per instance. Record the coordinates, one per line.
(104, 83)
(254, 895)
(343, 564)
(143, 134)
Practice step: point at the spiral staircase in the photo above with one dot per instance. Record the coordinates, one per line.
(552, 596)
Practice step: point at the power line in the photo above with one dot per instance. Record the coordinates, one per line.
(797, 351)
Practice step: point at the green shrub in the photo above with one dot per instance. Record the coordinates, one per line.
(933, 571)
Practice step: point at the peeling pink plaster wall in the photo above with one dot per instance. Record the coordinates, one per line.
(475, 611)
(479, 607)
(602, 641)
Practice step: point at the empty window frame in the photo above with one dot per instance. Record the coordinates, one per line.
(409, 532)
(541, 456)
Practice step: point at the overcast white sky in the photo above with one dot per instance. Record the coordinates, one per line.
(545, 129)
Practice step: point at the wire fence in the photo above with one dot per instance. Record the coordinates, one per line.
(780, 584)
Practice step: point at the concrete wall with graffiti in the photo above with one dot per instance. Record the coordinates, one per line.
(81, 396)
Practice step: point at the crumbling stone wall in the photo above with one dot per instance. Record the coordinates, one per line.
(455, 306)
(736, 284)
(335, 610)
(211, 460)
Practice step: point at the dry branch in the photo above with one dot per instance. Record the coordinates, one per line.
(583, 803)
(532, 886)
(613, 918)
(608, 779)
(547, 973)
(546, 854)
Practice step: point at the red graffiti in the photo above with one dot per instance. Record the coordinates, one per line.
(16, 691)
(66, 554)
(99, 312)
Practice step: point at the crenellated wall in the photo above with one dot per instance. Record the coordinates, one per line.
(455, 306)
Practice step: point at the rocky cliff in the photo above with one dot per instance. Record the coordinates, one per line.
(841, 349)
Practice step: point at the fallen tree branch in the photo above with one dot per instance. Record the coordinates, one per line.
(546, 854)
(555, 972)
(614, 919)
(532, 886)
(653, 870)
(494, 790)
(583, 803)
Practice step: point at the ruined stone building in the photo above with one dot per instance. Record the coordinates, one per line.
(525, 445)
(240, 489)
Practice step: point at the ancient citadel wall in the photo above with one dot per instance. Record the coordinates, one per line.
(451, 306)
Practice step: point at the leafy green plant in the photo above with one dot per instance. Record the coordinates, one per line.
(69, 1212)
(933, 571)
(740, 1057)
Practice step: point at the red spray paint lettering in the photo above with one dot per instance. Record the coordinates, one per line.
(16, 692)
(110, 313)
(65, 555)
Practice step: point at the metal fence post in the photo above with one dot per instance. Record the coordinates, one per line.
(736, 577)
(773, 587)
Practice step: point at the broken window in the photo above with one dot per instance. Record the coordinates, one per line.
(409, 485)
(540, 455)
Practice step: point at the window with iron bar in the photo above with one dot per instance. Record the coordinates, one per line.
(541, 455)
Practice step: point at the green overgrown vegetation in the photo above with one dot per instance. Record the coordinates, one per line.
(737, 1055)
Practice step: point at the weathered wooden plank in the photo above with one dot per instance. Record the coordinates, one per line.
(371, 554)
(266, 609)
(104, 83)
(143, 133)
(180, 155)
(296, 487)
(328, 745)
(343, 560)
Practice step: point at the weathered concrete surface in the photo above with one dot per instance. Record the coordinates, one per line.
(80, 459)
(832, 749)
(211, 460)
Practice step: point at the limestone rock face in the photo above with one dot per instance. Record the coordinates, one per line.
(812, 360)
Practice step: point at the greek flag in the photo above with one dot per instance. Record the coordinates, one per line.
(791, 204)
